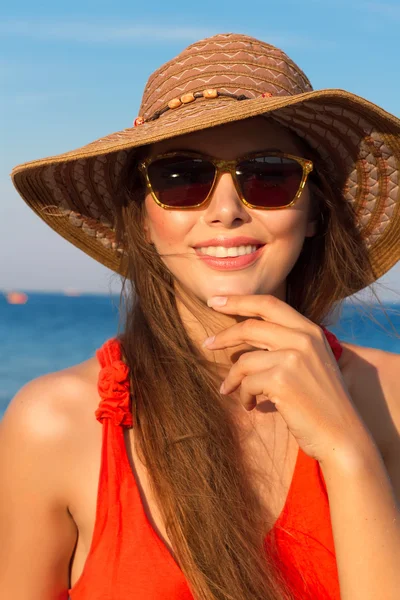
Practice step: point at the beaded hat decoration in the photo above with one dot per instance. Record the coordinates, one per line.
(218, 80)
(191, 97)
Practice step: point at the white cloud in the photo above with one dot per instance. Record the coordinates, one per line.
(388, 10)
(77, 31)
(35, 98)
(122, 33)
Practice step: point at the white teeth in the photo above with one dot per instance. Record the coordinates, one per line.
(221, 252)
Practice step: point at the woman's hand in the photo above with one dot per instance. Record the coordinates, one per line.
(299, 374)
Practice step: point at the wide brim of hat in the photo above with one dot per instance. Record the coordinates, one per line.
(73, 192)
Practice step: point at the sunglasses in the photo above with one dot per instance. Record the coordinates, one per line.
(264, 180)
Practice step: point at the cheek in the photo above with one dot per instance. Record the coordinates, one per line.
(167, 228)
(286, 224)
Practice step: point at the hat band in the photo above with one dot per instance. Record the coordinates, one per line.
(208, 94)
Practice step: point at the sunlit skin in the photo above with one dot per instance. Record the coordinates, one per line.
(175, 232)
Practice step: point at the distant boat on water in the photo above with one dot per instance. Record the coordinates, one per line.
(71, 292)
(16, 297)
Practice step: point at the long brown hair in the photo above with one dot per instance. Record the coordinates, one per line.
(183, 434)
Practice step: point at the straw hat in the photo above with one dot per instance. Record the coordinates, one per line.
(226, 78)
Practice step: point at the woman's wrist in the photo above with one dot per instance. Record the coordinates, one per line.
(365, 520)
(352, 455)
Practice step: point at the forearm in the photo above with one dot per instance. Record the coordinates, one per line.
(365, 524)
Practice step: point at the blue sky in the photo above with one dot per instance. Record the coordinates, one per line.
(72, 72)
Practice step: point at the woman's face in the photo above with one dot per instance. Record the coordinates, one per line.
(175, 233)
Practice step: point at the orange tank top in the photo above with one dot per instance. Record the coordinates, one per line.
(127, 558)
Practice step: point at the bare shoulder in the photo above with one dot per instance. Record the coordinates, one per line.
(372, 376)
(46, 435)
(54, 415)
(51, 404)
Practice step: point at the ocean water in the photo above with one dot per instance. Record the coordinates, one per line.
(53, 331)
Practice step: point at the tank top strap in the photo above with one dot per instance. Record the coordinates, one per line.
(334, 343)
(113, 385)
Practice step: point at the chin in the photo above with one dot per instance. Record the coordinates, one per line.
(225, 290)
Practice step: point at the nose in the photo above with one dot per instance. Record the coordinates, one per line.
(225, 207)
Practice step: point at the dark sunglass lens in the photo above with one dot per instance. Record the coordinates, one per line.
(181, 181)
(269, 181)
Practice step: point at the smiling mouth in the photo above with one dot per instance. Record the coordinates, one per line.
(233, 252)
(231, 263)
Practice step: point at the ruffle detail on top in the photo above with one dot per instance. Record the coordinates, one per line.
(113, 385)
(334, 343)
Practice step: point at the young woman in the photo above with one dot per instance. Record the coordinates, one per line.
(261, 463)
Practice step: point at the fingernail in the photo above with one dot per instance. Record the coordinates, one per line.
(222, 388)
(208, 341)
(217, 301)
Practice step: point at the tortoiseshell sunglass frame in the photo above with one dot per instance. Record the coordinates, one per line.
(226, 166)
